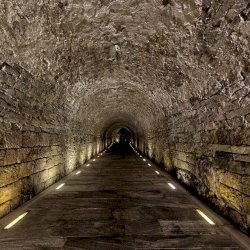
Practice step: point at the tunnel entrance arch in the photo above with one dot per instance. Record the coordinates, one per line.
(119, 132)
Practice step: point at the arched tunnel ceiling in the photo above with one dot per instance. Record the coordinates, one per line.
(168, 52)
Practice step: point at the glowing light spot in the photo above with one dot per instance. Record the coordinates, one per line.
(205, 217)
(93, 159)
(171, 185)
(77, 173)
(157, 172)
(140, 156)
(16, 220)
(144, 159)
(149, 164)
(60, 186)
(88, 165)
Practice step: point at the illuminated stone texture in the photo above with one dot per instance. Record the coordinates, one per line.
(175, 72)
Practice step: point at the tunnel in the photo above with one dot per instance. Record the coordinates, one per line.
(120, 81)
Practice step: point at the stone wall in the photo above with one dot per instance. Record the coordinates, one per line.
(210, 147)
(207, 147)
(34, 152)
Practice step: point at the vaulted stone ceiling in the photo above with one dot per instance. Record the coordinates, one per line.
(167, 53)
(175, 72)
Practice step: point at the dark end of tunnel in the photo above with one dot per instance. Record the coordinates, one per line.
(121, 148)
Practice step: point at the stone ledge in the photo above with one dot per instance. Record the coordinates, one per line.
(230, 149)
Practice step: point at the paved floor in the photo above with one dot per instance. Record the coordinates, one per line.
(118, 202)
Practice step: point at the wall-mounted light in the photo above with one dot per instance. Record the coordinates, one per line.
(205, 217)
(60, 186)
(16, 220)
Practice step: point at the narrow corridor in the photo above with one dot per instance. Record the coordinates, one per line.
(118, 200)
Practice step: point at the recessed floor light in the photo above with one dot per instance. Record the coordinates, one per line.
(149, 164)
(93, 159)
(157, 172)
(88, 165)
(205, 217)
(78, 172)
(60, 186)
(16, 220)
(144, 159)
(171, 185)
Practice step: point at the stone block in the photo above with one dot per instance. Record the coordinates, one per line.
(246, 203)
(30, 139)
(12, 139)
(10, 157)
(2, 156)
(52, 180)
(245, 158)
(236, 167)
(10, 192)
(246, 185)
(24, 155)
(247, 168)
(231, 197)
(40, 177)
(54, 161)
(43, 139)
(4, 208)
(13, 173)
(7, 175)
(54, 171)
(39, 188)
(55, 139)
(50, 151)
(40, 165)
(181, 156)
(182, 165)
(230, 179)
(230, 149)
(238, 112)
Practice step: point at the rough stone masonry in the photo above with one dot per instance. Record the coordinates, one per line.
(175, 72)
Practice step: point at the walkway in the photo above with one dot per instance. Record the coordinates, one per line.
(117, 202)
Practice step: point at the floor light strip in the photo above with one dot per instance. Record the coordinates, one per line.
(16, 220)
(60, 186)
(205, 217)
(171, 185)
